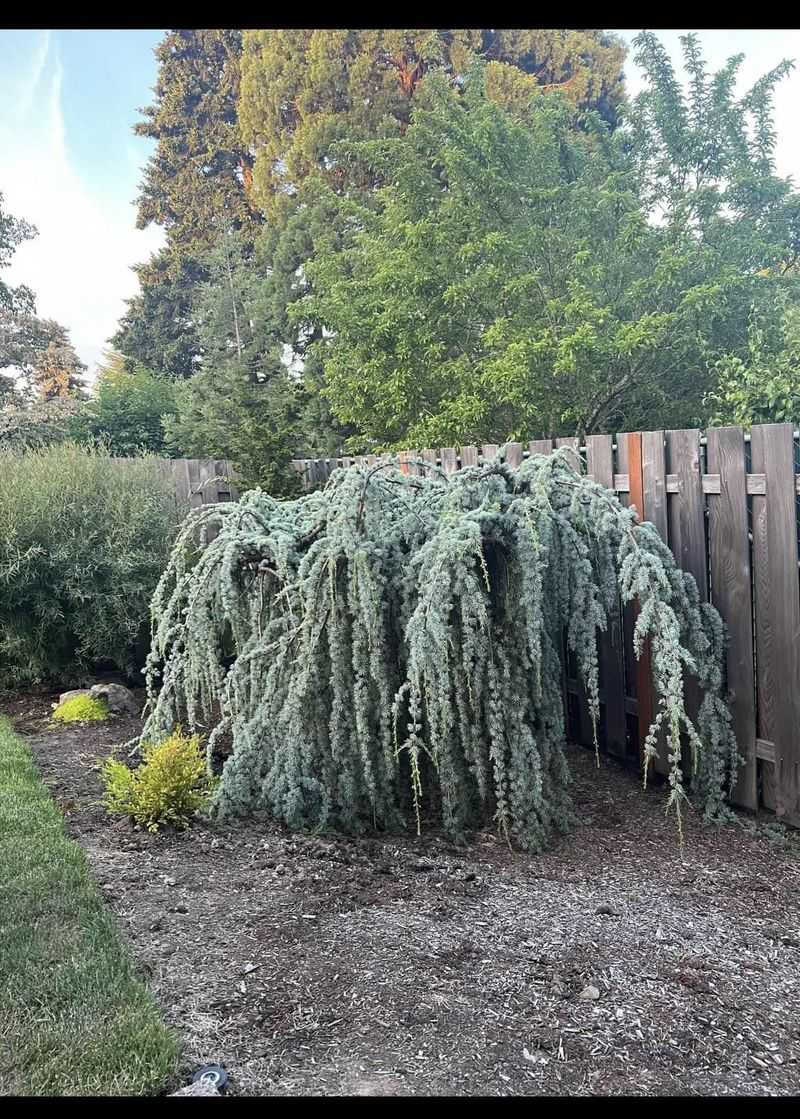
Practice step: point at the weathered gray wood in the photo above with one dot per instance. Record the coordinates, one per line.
(654, 495)
(686, 516)
(541, 446)
(469, 456)
(489, 451)
(731, 594)
(600, 459)
(654, 480)
(585, 729)
(194, 483)
(428, 455)
(628, 619)
(600, 467)
(687, 509)
(573, 444)
(777, 607)
(513, 454)
(449, 459)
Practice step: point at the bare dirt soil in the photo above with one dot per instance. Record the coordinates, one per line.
(398, 966)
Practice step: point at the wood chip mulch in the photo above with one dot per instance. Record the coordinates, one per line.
(610, 965)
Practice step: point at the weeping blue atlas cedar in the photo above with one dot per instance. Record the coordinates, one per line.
(387, 650)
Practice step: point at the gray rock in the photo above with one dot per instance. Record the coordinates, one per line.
(199, 1088)
(589, 993)
(71, 695)
(120, 700)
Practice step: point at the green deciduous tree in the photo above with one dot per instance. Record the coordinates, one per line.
(13, 232)
(522, 278)
(127, 409)
(762, 385)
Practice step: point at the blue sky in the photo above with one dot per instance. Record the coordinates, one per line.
(70, 163)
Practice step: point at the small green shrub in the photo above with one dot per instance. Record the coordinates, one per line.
(81, 709)
(169, 787)
(83, 541)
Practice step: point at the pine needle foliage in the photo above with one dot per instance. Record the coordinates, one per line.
(390, 647)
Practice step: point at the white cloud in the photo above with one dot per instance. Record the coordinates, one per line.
(79, 265)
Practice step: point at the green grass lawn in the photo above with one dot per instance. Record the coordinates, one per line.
(74, 1017)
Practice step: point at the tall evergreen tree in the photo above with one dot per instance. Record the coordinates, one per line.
(58, 371)
(302, 90)
(39, 357)
(195, 187)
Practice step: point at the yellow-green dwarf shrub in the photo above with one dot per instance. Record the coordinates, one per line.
(391, 644)
(81, 709)
(170, 786)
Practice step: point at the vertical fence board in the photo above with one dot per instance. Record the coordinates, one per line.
(731, 594)
(469, 456)
(541, 446)
(654, 482)
(687, 523)
(513, 454)
(430, 456)
(585, 729)
(654, 485)
(777, 605)
(686, 511)
(489, 451)
(636, 467)
(600, 466)
(630, 664)
(573, 444)
(449, 459)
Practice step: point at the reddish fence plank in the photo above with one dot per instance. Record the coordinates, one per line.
(636, 481)
(731, 594)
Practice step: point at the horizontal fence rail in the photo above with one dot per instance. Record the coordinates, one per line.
(726, 503)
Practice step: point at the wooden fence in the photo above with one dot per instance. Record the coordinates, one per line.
(726, 504)
(198, 481)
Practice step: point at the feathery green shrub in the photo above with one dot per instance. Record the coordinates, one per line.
(83, 541)
(392, 644)
(81, 709)
(169, 787)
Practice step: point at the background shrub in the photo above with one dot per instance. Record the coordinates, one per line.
(83, 540)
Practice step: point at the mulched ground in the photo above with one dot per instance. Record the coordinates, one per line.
(397, 966)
